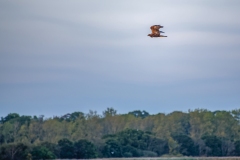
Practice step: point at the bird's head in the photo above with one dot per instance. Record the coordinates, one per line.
(150, 35)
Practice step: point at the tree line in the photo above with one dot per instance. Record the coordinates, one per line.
(198, 132)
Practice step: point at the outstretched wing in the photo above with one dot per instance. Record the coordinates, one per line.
(155, 29)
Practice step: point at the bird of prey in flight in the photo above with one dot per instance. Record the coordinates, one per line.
(155, 31)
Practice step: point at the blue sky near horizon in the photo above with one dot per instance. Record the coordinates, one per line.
(58, 57)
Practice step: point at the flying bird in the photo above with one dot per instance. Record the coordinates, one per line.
(155, 31)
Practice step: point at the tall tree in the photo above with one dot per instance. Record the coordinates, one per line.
(186, 145)
(237, 148)
(9, 117)
(138, 113)
(12, 151)
(109, 112)
(214, 143)
(84, 149)
(66, 148)
(41, 152)
(36, 133)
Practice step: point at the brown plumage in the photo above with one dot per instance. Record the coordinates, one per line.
(155, 31)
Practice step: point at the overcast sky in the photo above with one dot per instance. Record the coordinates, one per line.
(58, 57)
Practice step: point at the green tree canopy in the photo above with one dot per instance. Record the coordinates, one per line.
(84, 149)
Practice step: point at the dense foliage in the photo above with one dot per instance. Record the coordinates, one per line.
(134, 143)
(136, 134)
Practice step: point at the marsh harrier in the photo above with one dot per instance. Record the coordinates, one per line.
(155, 31)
